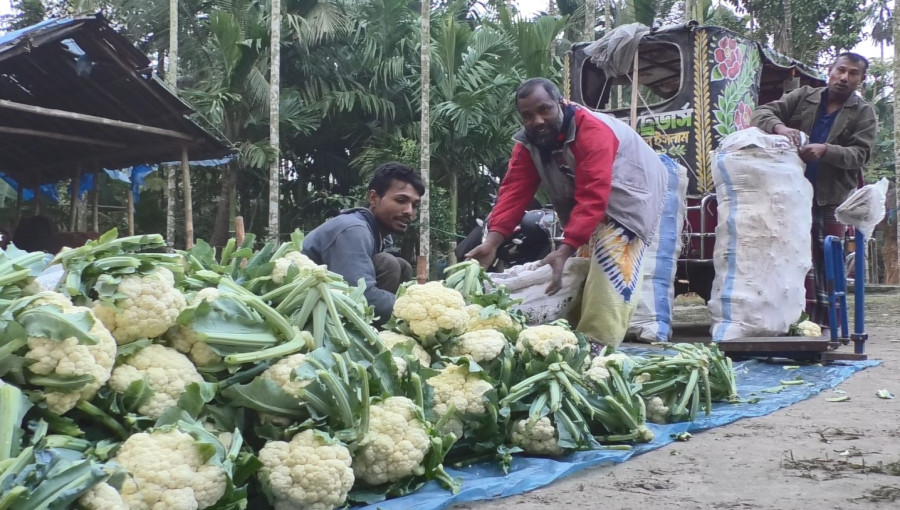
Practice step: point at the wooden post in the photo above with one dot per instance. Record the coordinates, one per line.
(95, 202)
(634, 89)
(239, 233)
(188, 207)
(424, 144)
(129, 206)
(73, 205)
(274, 228)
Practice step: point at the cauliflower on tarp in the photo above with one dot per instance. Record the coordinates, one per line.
(537, 437)
(169, 470)
(597, 370)
(479, 346)
(102, 496)
(430, 309)
(166, 371)
(546, 338)
(311, 472)
(72, 356)
(492, 318)
(186, 340)
(391, 339)
(395, 445)
(146, 306)
(456, 386)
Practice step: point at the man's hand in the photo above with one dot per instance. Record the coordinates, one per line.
(557, 261)
(486, 252)
(793, 135)
(813, 151)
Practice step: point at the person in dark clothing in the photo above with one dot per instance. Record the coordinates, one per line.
(841, 128)
(35, 233)
(352, 244)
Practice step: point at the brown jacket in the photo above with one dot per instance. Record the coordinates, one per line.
(849, 143)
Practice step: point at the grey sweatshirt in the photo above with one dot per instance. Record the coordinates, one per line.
(347, 244)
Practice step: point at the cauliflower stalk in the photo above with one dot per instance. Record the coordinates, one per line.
(545, 339)
(144, 306)
(69, 344)
(431, 312)
(170, 469)
(537, 437)
(479, 346)
(166, 371)
(312, 472)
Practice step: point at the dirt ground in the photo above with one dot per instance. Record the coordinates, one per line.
(813, 455)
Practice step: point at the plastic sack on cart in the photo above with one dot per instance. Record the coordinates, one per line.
(652, 318)
(762, 252)
(864, 209)
(529, 283)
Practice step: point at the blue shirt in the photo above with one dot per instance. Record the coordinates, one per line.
(819, 134)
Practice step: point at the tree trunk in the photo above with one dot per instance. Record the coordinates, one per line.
(274, 99)
(607, 8)
(896, 22)
(590, 19)
(223, 209)
(688, 10)
(422, 264)
(783, 42)
(172, 81)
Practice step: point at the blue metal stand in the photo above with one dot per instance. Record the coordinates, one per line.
(836, 284)
(859, 335)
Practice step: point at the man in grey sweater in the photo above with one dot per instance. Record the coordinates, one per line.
(352, 243)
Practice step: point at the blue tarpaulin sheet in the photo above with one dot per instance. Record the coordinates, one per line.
(487, 481)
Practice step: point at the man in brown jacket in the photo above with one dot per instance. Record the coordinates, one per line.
(841, 130)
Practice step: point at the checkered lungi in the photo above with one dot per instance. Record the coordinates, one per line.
(823, 224)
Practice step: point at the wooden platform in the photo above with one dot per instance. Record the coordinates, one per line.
(790, 347)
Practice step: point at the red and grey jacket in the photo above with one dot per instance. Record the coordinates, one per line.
(603, 169)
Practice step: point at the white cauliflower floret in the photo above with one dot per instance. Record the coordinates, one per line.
(478, 346)
(537, 437)
(169, 471)
(809, 328)
(165, 370)
(395, 445)
(455, 385)
(390, 339)
(311, 472)
(545, 339)
(69, 357)
(598, 371)
(431, 308)
(294, 258)
(281, 373)
(102, 496)
(657, 412)
(150, 306)
(499, 320)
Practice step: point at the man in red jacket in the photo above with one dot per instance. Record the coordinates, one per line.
(607, 187)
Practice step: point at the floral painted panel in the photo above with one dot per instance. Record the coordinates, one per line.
(735, 68)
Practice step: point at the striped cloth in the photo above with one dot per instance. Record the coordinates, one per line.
(823, 224)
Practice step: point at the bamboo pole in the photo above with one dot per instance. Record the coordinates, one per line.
(188, 206)
(93, 119)
(73, 204)
(634, 89)
(274, 134)
(422, 262)
(172, 81)
(58, 136)
(129, 206)
(95, 202)
(239, 232)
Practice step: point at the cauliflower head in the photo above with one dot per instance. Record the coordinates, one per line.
(546, 338)
(395, 445)
(478, 346)
(809, 328)
(657, 411)
(432, 308)
(311, 472)
(536, 437)
(390, 339)
(169, 471)
(282, 264)
(102, 496)
(166, 371)
(498, 320)
(281, 373)
(149, 306)
(70, 357)
(455, 385)
(185, 340)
